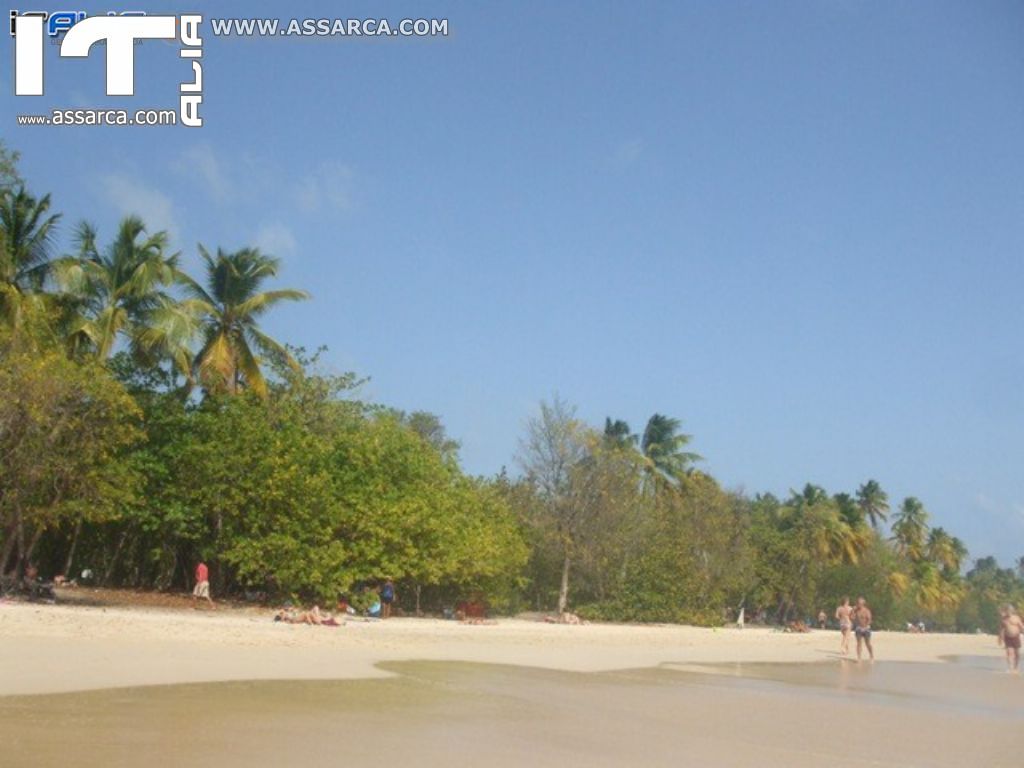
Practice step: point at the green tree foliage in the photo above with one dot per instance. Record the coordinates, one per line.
(64, 432)
(553, 457)
(280, 504)
(287, 484)
(429, 427)
(411, 515)
(27, 230)
(690, 558)
(9, 175)
(988, 589)
(799, 542)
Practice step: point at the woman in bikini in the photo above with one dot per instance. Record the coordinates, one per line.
(844, 614)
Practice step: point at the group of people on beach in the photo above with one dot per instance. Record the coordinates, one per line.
(386, 596)
(856, 618)
(316, 616)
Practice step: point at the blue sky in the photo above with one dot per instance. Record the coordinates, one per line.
(796, 226)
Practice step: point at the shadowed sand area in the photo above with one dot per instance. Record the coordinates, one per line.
(959, 713)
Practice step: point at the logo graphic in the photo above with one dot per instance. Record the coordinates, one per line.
(119, 33)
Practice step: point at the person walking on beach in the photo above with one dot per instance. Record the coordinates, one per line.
(387, 597)
(202, 588)
(862, 627)
(1010, 631)
(844, 615)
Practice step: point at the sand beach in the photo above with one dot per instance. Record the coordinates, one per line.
(233, 688)
(54, 649)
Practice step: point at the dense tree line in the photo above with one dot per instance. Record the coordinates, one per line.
(632, 529)
(147, 421)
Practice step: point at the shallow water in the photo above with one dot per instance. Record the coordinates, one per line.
(960, 713)
(974, 684)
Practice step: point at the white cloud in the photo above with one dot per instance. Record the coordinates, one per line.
(245, 180)
(275, 239)
(329, 187)
(200, 160)
(130, 196)
(991, 506)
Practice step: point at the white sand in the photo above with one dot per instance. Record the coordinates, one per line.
(50, 649)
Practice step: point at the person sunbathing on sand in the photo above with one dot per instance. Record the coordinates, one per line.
(564, 618)
(314, 616)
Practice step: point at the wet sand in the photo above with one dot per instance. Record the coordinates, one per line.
(960, 713)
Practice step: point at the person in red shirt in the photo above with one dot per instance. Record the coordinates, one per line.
(202, 588)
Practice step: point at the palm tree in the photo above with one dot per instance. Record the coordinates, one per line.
(933, 590)
(171, 327)
(945, 550)
(229, 307)
(809, 496)
(899, 583)
(835, 534)
(874, 502)
(939, 549)
(959, 551)
(849, 509)
(26, 241)
(910, 528)
(618, 433)
(117, 289)
(663, 446)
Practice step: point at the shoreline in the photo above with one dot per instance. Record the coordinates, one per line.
(60, 649)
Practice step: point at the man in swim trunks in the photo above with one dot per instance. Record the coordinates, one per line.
(862, 627)
(844, 615)
(1010, 633)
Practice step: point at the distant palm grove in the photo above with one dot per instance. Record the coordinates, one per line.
(147, 420)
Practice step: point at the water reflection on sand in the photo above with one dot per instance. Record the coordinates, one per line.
(965, 712)
(963, 683)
